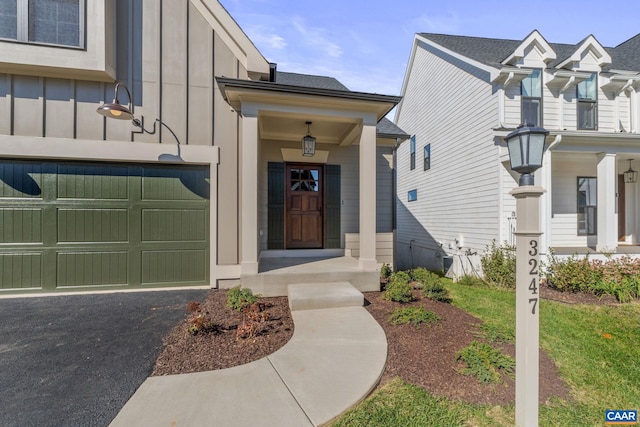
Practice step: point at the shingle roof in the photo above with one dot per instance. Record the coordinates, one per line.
(308, 80)
(492, 52)
(385, 127)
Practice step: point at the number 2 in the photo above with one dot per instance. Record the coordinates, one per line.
(534, 266)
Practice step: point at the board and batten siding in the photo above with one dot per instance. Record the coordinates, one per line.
(167, 55)
(459, 197)
(348, 159)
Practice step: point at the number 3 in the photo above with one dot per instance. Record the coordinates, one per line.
(534, 247)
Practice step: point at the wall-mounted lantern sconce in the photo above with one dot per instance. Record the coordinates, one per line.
(115, 110)
(308, 143)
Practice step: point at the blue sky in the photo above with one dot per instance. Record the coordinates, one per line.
(366, 44)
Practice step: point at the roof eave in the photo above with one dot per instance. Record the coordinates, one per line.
(226, 84)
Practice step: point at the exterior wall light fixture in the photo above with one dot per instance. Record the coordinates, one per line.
(115, 110)
(308, 143)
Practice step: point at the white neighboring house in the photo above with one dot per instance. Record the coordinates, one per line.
(463, 95)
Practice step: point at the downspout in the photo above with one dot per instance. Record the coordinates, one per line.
(501, 106)
(570, 83)
(548, 199)
(632, 109)
(626, 86)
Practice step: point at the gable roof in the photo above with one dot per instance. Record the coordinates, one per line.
(492, 52)
(308, 80)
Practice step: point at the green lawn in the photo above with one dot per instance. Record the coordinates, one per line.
(596, 348)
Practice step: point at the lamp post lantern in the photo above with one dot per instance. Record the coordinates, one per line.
(526, 148)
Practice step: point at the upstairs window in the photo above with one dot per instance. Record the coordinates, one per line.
(54, 22)
(588, 103)
(531, 88)
(413, 152)
(427, 157)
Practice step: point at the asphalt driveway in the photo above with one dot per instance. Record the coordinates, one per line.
(76, 360)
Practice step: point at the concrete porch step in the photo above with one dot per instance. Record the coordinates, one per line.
(311, 296)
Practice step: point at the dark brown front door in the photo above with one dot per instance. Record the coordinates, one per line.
(621, 209)
(304, 206)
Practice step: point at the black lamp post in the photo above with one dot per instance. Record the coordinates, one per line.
(526, 146)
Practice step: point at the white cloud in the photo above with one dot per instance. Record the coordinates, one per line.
(315, 38)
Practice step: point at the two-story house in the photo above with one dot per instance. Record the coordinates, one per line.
(205, 178)
(463, 95)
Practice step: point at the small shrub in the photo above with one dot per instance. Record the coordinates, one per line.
(573, 274)
(398, 289)
(499, 265)
(199, 321)
(385, 271)
(485, 362)
(239, 298)
(253, 317)
(424, 276)
(414, 315)
(470, 280)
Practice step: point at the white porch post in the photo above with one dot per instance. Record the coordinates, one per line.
(546, 210)
(607, 239)
(368, 198)
(249, 195)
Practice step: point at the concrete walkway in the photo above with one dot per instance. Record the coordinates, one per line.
(334, 359)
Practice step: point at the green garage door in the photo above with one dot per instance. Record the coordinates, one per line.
(97, 225)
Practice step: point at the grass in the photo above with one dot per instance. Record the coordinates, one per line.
(595, 348)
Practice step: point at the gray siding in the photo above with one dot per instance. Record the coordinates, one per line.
(168, 56)
(452, 106)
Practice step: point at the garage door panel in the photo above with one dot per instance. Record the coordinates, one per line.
(188, 266)
(91, 268)
(93, 225)
(21, 270)
(92, 182)
(21, 225)
(174, 225)
(161, 183)
(21, 180)
(75, 225)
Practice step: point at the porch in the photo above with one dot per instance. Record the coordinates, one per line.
(276, 273)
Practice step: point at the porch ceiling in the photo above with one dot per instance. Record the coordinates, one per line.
(326, 130)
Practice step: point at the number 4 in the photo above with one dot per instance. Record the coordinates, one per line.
(533, 286)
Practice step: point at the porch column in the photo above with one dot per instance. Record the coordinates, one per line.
(249, 195)
(607, 239)
(546, 239)
(368, 198)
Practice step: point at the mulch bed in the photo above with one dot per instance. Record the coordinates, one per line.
(426, 355)
(423, 355)
(184, 352)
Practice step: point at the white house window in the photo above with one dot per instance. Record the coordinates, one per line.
(587, 206)
(54, 22)
(427, 157)
(413, 152)
(588, 103)
(531, 87)
(412, 195)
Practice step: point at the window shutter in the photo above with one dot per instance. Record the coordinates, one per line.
(275, 206)
(333, 201)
